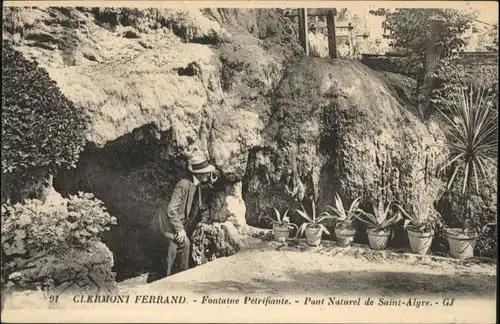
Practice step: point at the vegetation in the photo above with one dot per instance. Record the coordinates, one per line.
(311, 221)
(472, 143)
(430, 35)
(381, 219)
(421, 218)
(344, 218)
(281, 221)
(451, 78)
(42, 130)
(409, 29)
(32, 228)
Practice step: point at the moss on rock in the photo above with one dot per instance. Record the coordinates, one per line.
(344, 128)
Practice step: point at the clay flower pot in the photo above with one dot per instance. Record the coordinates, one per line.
(377, 238)
(281, 233)
(345, 236)
(313, 235)
(461, 244)
(420, 243)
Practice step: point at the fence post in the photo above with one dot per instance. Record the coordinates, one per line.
(332, 39)
(303, 30)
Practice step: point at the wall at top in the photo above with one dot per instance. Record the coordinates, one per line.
(475, 62)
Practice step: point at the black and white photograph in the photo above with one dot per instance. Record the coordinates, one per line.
(239, 161)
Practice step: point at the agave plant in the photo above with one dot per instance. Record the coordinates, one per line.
(312, 221)
(422, 217)
(281, 220)
(473, 136)
(380, 219)
(344, 218)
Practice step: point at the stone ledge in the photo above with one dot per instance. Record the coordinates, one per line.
(363, 251)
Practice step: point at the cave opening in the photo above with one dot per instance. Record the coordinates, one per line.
(132, 175)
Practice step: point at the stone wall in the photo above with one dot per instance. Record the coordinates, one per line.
(474, 62)
(393, 64)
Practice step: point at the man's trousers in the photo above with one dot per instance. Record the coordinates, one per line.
(179, 255)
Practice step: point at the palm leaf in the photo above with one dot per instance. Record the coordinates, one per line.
(473, 137)
(354, 205)
(313, 210)
(407, 215)
(452, 160)
(302, 229)
(372, 220)
(339, 205)
(337, 214)
(371, 217)
(386, 211)
(390, 221)
(324, 229)
(278, 216)
(304, 215)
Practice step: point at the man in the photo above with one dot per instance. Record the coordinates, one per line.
(175, 220)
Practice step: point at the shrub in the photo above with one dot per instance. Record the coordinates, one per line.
(42, 130)
(449, 81)
(470, 166)
(451, 78)
(408, 29)
(483, 214)
(32, 227)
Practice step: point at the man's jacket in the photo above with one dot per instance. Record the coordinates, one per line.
(171, 217)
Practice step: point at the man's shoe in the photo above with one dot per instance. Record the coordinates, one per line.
(154, 276)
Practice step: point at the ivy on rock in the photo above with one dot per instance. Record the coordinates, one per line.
(42, 130)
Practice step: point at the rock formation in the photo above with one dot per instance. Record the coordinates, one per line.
(158, 81)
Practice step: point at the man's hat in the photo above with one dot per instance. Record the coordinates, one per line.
(199, 164)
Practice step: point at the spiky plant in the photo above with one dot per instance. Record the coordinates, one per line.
(473, 136)
(312, 221)
(422, 217)
(344, 218)
(381, 218)
(472, 139)
(281, 220)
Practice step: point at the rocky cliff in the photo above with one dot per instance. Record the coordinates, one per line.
(231, 82)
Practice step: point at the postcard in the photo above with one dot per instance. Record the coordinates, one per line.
(249, 161)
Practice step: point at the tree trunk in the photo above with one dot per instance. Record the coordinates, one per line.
(432, 57)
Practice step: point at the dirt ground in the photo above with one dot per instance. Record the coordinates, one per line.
(296, 273)
(274, 269)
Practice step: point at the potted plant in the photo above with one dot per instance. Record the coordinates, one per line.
(420, 224)
(313, 226)
(379, 224)
(281, 226)
(344, 219)
(472, 150)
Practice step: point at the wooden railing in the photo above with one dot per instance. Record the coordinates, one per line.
(303, 15)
